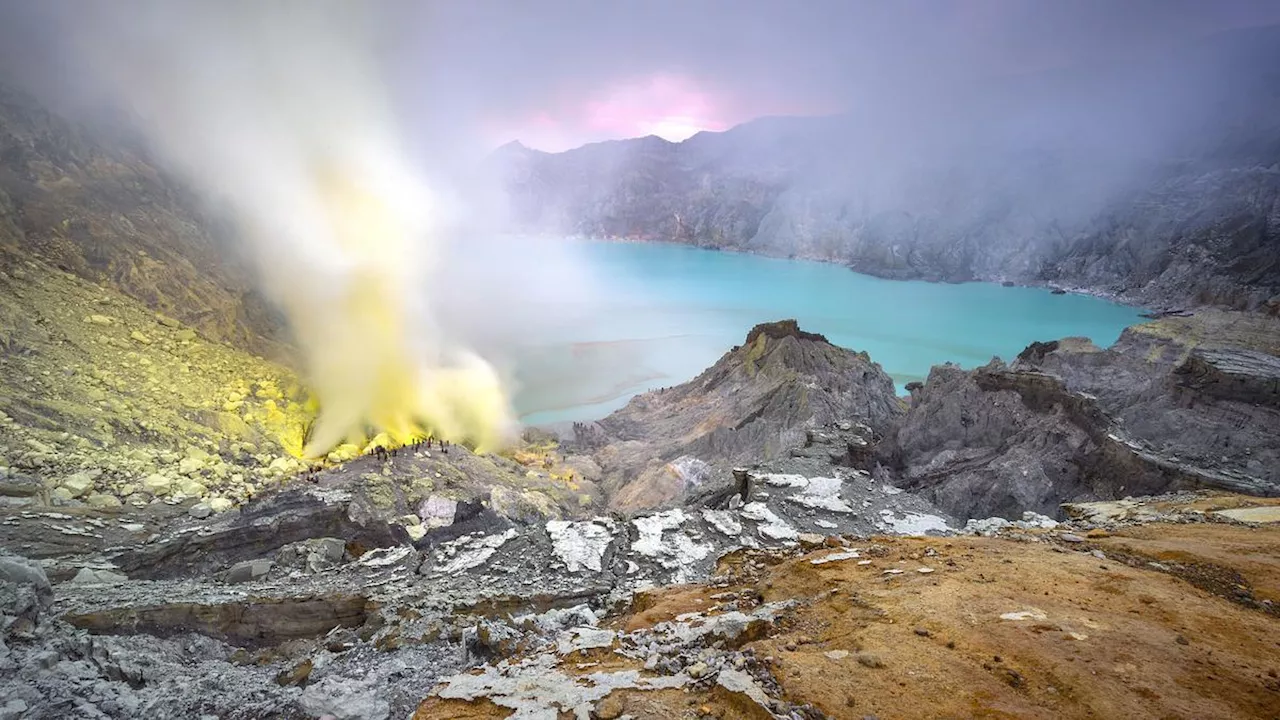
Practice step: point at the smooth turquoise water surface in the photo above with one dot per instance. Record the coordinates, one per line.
(666, 312)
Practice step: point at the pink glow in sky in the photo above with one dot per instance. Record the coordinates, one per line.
(669, 106)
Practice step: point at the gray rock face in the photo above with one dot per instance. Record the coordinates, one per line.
(994, 441)
(758, 402)
(1194, 395)
(249, 570)
(25, 593)
(1180, 403)
(274, 521)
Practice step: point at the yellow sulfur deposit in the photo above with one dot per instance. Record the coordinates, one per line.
(359, 334)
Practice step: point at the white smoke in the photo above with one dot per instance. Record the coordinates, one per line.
(277, 109)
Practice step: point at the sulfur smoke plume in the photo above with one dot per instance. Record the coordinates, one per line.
(275, 110)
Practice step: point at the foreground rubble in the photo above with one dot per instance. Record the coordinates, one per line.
(718, 608)
(335, 598)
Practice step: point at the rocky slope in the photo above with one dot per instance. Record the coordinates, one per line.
(758, 402)
(1181, 402)
(104, 401)
(98, 207)
(1117, 179)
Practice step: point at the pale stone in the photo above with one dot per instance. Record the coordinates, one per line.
(580, 545)
(103, 500)
(90, 576)
(190, 465)
(157, 484)
(191, 488)
(78, 484)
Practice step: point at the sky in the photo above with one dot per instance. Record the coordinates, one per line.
(555, 74)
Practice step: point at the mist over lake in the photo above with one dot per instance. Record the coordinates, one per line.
(662, 313)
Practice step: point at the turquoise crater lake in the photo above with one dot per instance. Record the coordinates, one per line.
(666, 312)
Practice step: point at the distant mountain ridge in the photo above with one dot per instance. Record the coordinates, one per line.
(1110, 179)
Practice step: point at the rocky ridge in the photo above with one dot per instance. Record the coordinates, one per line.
(758, 402)
(1016, 623)
(1183, 402)
(580, 615)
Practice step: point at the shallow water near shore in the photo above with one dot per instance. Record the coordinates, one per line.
(664, 312)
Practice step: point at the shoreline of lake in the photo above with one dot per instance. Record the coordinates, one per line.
(1065, 289)
(670, 309)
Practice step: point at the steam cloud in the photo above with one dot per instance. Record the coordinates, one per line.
(276, 110)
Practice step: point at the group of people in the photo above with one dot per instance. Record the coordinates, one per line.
(312, 475)
(383, 454)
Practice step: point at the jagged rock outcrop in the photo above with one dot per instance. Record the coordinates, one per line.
(1195, 392)
(1185, 401)
(755, 403)
(1100, 178)
(996, 441)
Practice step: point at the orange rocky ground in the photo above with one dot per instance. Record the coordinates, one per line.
(1160, 620)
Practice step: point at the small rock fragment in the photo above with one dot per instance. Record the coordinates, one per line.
(870, 660)
(297, 675)
(103, 501)
(89, 576)
(249, 570)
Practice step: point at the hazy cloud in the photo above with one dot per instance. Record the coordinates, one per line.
(556, 73)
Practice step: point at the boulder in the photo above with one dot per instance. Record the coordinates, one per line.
(157, 484)
(25, 593)
(103, 501)
(249, 570)
(78, 484)
(90, 576)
